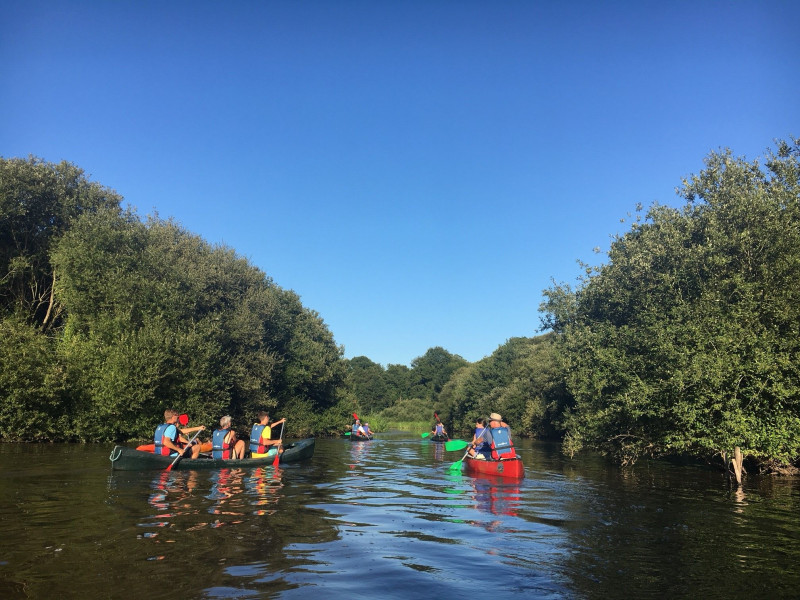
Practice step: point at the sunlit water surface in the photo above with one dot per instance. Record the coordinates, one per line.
(389, 519)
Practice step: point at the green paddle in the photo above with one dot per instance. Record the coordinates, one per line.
(424, 435)
(456, 466)
(455, 445)
(349, 433)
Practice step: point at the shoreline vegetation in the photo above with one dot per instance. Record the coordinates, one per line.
(684, 343)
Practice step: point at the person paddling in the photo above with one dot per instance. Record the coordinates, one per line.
(262, 442)
(225, 445)
(438, 428)
(170, 441)
(479, 446)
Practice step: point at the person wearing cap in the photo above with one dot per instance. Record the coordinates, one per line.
(225, 444)
(261, 442)
(169, 440)
(499, 437)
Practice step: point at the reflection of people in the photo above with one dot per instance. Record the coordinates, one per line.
(224, 442)
(168, 440)
(500, 437)
(480, 446)
(262, 443)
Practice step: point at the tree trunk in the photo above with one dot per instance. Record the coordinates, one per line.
(737, 464)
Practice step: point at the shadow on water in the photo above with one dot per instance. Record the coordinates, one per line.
(390, 517)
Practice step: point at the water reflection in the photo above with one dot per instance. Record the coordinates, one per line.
(496, 495)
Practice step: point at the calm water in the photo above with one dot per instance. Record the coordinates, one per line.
(388, 519)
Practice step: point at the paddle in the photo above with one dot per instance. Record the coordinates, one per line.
(455, 445)
(456, 466)
(180, 454)
(278, 449)
(426, 434)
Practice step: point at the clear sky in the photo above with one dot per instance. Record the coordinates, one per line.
(417, 171)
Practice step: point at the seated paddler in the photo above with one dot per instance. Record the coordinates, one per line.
(263, 441)
(171, 441)
(499, 436)
(224, 442)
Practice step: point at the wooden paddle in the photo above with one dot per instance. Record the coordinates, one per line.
(180, 454)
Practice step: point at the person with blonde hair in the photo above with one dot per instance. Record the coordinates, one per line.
(169, 440)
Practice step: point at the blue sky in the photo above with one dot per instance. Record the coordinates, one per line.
(417, 171)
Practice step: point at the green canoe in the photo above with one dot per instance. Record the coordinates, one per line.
(128, 459)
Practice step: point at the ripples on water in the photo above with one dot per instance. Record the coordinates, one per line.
(388, 519)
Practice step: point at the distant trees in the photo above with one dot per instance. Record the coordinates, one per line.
(688, 340)
(522, 380)
(110, 319)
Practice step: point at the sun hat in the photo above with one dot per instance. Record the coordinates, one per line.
(495, 417)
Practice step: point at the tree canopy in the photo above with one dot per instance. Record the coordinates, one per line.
(688, 339)
(113, 319)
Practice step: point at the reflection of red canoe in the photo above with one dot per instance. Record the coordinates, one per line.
(204, 447)
(511, 467)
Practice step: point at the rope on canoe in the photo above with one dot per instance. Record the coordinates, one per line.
(114, 456)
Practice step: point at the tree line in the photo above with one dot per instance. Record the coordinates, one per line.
(107, 319)
(684, 342)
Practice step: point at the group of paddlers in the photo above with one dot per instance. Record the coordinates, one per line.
(360, 429)
(171, 438)
(492, 441)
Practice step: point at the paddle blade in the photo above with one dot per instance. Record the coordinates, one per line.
(277, 459)
(456, 466)
(183, 419)
(349, 433)
(355, 416)
(426, 434)
(455, 445)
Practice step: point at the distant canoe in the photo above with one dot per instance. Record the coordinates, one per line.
(360, 438)
(439, 438)
(511, 467)
(128, 459)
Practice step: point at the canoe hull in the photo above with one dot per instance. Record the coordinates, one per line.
(439, 438)
(512, 468)
(129, 459)
(360, 438)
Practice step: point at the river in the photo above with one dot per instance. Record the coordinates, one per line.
(389, 519)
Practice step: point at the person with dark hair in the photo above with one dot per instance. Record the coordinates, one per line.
(262, 442)
(480, 447)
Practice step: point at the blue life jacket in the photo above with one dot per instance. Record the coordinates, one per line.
(501, 443)
(255, 439)
(219, 449)
(158, 439)
(482, 445)
(355, 428)
(439, 429)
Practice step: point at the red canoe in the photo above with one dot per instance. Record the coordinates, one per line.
(511, 467)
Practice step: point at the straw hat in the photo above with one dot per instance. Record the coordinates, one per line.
(495, 417)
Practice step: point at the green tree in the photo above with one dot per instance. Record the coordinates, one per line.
(369, 384)
(39, 202)
(686, 341)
